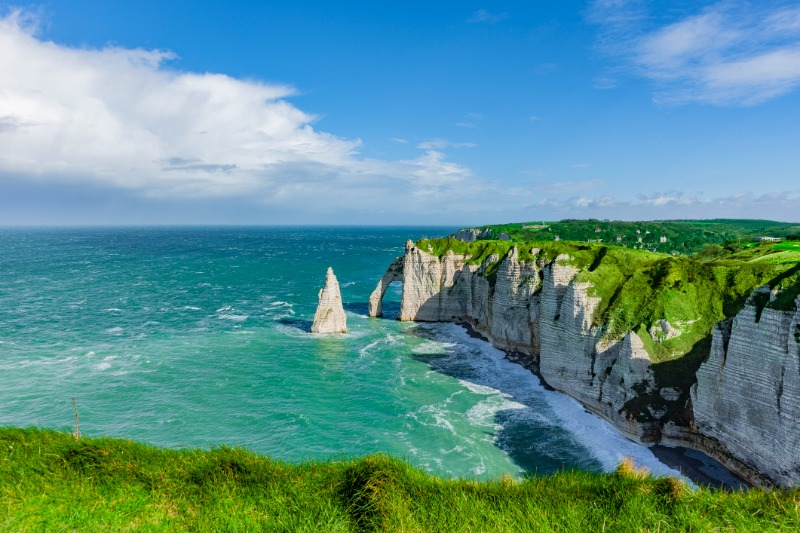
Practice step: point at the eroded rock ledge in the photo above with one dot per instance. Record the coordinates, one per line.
(743, 408)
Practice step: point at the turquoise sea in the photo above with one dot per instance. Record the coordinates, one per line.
(199, 337)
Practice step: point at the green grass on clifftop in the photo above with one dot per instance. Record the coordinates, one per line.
(683, 237)
(51, 482)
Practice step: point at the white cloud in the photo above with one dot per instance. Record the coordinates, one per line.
(571, 187)
(676, 204)
(730, 53)
(441, 144)
(485, 17)
(470, 120)
(121, 118)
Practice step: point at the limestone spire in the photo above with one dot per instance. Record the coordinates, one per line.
(330, 317)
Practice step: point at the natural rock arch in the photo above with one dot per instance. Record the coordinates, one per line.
(393, 273)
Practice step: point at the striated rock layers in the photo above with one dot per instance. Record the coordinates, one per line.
(744, 409)
(747, 396)
(330, 317)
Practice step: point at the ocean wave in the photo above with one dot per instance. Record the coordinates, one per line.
(433, 348)
(363, 352)
(604, 442)
(233, 318)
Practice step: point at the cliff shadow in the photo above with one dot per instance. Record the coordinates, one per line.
(524, 425)
(391, 310)
(359, 308)
(297, 323)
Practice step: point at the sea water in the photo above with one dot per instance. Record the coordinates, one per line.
(199, 337)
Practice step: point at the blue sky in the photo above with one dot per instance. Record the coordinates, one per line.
(454, 113)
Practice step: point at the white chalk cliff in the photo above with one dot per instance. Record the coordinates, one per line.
(744, 409)
(747, 396)
(472, 234)
(330, 317)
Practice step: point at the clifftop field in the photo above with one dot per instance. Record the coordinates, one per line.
(51, 482)
(684, 237)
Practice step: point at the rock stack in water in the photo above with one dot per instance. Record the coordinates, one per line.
(330, 317)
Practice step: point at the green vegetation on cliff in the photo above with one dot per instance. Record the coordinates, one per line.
(637, 288)
(671, 302)
(51, 482)
(683, 237)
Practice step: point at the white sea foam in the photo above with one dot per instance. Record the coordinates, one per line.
(102, 366)
(115, 330)
(366, 349)
(479, 469)
(433, 347)
(190, 308)
(233, 317)
(484, 413)
(607, 445)
(478, 389)
(113, 310)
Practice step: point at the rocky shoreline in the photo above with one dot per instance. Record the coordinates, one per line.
(695, 465)
(541, 315)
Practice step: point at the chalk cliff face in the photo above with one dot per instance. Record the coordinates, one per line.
(471, 234)
(747, 395)
(744, 409)
(330, 317)
(535, 309)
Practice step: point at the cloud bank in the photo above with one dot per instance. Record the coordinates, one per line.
(123, 119)
(727, 53)
(115, 135)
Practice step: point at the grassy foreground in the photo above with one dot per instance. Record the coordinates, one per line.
(49, 481)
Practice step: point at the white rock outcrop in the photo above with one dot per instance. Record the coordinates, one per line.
(471, 234)
(393, 273)
(747, 395)
(330, 317)
(744, 409)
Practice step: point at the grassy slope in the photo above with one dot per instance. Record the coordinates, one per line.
(49, 481)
